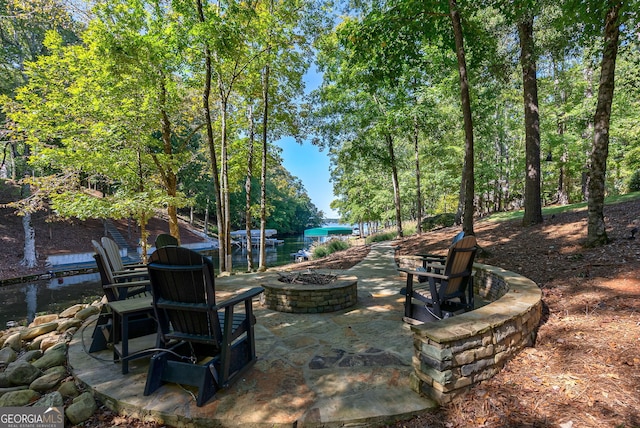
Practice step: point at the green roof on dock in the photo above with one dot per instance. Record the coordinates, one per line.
(327, 231)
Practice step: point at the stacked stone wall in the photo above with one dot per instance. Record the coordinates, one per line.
(311, 299)
(452, 355)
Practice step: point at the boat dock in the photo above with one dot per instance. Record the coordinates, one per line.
(240, 236)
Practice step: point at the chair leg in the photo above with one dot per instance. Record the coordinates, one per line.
(207, 388)
(154, 373)
(470, 291)
(101, 336)
(166, 367)
(408, 307)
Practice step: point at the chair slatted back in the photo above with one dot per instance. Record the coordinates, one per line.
(165, 239)
(182, 284)
(106, 273)
(459, 266)
(113, 253)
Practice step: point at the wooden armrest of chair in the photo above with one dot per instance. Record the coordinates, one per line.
(240, 298)
(435, 259)
(124, 290)
(431, 256)
(424, 273)
(138, 267)
(128, 276)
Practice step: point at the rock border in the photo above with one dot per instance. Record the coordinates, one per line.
(310, 299)
(33, 364)
(454, 354)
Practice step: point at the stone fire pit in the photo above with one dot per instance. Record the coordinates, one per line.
(310, 292)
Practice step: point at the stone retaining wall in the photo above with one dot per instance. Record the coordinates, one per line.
(452, 355)
(310, 299)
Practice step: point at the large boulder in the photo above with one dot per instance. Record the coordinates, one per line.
(81, 409)
(55, 356)
(18, 398)
(38, 330)
(21, 373)
(87, 312)
(30, 356)
(43, 319)
(14, 341)
(7, 355)
(72, 311)
(68, 389)
(53, 399)
(47, 381)
(66, 324)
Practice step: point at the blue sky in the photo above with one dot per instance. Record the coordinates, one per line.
(308, 163)
(311, 166)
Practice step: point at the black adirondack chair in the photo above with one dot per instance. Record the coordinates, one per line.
(448, 288)
(208, 344)
(436, 258)
(122, 284)
(165, 239)
(112, 251)
(120, 287)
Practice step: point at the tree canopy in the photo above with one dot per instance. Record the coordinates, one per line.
(424, 107)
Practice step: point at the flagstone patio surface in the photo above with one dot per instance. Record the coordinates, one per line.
(344, 368)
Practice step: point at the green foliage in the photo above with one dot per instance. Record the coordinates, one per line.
(558, 209)
(409, 229)
(438, 221)
(330, 247)
(634, 182)
(24, 25)
(381, 237)
(89, 103)
(121, 111)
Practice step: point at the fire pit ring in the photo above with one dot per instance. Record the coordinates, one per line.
(305, 298)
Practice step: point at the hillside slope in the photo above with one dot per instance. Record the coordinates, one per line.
(62, 236)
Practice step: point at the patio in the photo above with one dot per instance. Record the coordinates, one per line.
(341, 368)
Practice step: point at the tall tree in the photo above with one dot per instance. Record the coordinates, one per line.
(416, 149)
(23, 28)
(467, 190)
(263, 169)
(142, 38)
(87, 123)
(247, 188)
(532, 203)
(203, 36)
(394, 37)
(596, 228)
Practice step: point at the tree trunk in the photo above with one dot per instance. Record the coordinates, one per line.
(169, 177)
(225, 233)
(247, 190)
(263, 173)
(563, 194)
(532, 205)
(468, 180)
(205, 228)
(418, 190)
(596, 231)
(210, 140)
(143, 219)
(30, 258)
(396, 185)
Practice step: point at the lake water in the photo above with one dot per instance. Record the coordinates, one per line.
(23, 301)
